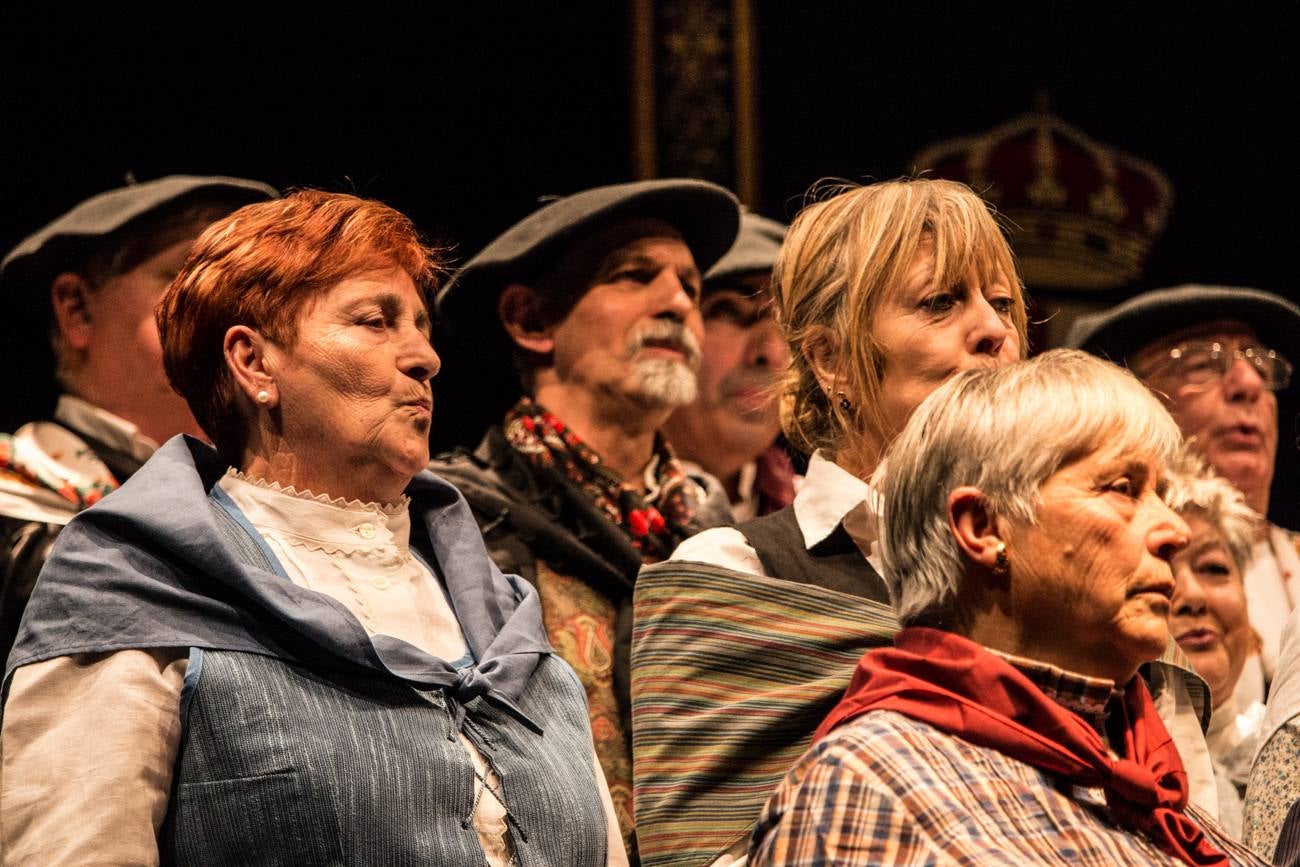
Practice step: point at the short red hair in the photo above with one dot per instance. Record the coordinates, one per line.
(259, 267)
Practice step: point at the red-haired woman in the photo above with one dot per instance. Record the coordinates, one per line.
(293, 649)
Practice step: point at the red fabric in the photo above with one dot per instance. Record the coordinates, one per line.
(774, 480)
(960, 688)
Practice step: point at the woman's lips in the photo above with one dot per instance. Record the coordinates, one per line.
(1202, 638)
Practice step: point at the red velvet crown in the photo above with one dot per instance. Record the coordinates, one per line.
(1084, 214)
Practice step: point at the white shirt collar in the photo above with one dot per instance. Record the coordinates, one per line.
(113, 431)
(831, 496)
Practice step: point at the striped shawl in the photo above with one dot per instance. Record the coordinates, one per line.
(731, 673)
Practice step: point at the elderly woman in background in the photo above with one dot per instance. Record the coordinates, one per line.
(1027, 555)
(308, 656)
(1209, 620)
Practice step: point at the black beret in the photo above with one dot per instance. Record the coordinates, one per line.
(706, 215)
(63, 244)
(1124, 330)
(754, 252)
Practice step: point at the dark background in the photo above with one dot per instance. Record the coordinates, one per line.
(462, 114)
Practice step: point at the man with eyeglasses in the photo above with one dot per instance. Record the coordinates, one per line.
(1218, 356)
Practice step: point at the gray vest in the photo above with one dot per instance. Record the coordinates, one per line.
(281, 764)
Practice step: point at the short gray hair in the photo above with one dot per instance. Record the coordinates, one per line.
(1194, 490)
(1003, 431)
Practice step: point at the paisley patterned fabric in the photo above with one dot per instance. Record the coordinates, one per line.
(47, 473)
(655, 521)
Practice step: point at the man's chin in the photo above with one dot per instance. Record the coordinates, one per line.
(665, 385)
(1246, 470)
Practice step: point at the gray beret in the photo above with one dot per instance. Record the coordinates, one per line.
(64, 243)
(706, 215)
(1124, 330)
(754, 251)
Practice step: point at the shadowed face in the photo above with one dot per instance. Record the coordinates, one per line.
(743, 357)
(1209, 619)
(124, 349)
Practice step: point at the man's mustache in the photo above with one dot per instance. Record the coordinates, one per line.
(666, 333)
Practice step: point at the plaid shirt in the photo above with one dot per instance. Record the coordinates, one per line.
(887, 789)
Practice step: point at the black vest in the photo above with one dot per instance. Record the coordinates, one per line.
(834, 563)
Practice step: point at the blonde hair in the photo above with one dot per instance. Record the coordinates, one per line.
(841, 256)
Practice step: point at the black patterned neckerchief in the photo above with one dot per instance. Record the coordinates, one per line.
(654, 523)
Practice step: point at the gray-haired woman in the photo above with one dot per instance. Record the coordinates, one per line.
(1027, 555)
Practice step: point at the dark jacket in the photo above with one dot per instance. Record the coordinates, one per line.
(538, 524)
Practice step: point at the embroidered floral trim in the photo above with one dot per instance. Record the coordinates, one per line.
(389, 509)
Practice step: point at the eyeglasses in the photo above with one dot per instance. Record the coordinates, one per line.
(1204, 362)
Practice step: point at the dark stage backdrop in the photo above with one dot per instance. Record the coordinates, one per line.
(463, 114)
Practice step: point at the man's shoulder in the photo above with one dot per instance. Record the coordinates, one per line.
(485, 474)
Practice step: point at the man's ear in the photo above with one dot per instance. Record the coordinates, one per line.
(245, 353)
(975, 528)
(70, 298)
(520, 309)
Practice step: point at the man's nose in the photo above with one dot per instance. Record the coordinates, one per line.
(1243, 381)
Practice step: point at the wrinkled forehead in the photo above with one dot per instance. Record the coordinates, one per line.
(1220, 330)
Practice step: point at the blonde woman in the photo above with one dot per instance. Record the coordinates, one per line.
(748, 636)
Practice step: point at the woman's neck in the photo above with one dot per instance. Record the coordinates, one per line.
(365, 483)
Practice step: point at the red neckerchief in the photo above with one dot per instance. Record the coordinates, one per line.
(958, 687)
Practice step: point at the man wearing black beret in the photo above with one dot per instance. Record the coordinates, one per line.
(730, 430)
(595, 299)
(1218, 356)
(87, 284)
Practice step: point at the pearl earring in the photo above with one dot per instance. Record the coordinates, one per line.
(264, 397)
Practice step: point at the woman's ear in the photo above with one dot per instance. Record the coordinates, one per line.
(822, 352)
(245, 353)
(520, 309)
(976, 529)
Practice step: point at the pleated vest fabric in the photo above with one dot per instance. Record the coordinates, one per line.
(286, 765)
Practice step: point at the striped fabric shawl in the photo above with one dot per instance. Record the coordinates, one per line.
(731, 673)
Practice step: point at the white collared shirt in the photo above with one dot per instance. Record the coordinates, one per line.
(829, 497)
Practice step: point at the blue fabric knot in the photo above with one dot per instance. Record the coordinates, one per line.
(470, 684)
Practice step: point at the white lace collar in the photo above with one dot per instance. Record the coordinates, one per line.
(318, 521)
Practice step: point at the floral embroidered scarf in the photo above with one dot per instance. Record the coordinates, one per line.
(655, 522)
